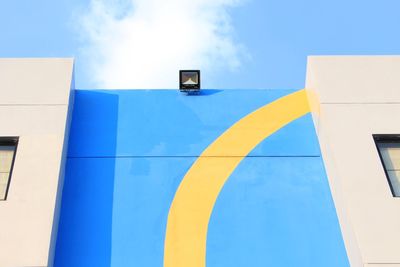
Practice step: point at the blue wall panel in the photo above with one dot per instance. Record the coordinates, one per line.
(94, 124)
(143, 191)
(276, 211)
(128, 152)
(167, 123)
(85, 228)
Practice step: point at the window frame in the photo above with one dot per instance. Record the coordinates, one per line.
(9, 141)
(386, 138)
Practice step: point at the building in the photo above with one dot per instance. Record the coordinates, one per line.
(225, 178)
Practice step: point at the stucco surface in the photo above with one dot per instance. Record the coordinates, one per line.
(126, 161)
(34, 99)
(359, 97)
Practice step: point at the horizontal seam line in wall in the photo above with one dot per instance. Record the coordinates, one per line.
(360, 103)
(385, 263)
(91, 157)
(31, 105)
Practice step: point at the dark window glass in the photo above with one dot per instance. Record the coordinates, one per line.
(7, 154)
(389, 152)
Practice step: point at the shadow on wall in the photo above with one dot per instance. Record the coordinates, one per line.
(84, 235)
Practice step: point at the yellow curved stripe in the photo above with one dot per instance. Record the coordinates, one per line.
(186, 234)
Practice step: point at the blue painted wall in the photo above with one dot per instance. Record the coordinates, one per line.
(128, 152)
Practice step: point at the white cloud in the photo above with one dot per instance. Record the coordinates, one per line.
(143, 43)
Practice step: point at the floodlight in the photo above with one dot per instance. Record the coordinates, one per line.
(189, 81)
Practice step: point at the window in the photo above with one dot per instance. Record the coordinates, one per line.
(8, 147)
(389, 152)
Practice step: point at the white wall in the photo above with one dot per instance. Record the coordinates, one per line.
(353, 98)
(34, 105)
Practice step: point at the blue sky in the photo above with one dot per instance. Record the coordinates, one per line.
(236, 43)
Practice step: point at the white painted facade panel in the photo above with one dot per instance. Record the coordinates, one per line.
(355, 79)
(352, 109)
(34, 106)
(35, 81)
